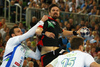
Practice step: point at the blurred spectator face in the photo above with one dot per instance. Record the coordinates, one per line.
(77, 27)
(86, 23)
(20, 3)
(7, 38)
(53, 2)
(20, 25)
(31, 64)
(34, 4)
(65, 23)
(54, 12)
(95, 8)
(7, 30)
(29, 59)
(12, 2)
(68, 25)
(31, 0)
(3, 21)
(94, 33)
(82, 22)
(93, 24)
(34, 19)
(71, 21)
(96, 27)
(25, 63)
(87, 48)
(29, 43)
(67, 10)
(43, 5)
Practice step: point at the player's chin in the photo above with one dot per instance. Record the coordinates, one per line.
(55, 17)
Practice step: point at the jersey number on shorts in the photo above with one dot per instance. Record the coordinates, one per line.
(68, 62)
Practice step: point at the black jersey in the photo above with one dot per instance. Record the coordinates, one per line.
(51, 25)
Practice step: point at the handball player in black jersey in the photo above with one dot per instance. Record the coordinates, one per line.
(48, 35)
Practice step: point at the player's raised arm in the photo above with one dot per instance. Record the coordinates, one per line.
(31, 32)
(41, 31)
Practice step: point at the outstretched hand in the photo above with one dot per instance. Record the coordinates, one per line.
(44, 18)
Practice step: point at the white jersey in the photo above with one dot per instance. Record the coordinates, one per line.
(15, 51)
(73, 59)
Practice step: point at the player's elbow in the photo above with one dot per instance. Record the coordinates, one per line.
(37, 57)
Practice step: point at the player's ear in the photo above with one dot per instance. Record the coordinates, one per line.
(12, 35)
(81, 47)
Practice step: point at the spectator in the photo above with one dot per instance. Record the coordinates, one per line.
(97, 59)
(21, 27)
(82, 23)
(71, 23)
(63, 42)
(34, 21)
(2, 22)
(30, 2)
(25, 64)
(68, 47)
(3, 30)
(6, 33)
(30, 64)
(13, 11)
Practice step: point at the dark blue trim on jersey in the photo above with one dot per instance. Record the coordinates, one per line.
(11, 57)
(8, 54)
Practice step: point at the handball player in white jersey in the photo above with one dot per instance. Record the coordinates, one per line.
(15, 51)
(76, 58)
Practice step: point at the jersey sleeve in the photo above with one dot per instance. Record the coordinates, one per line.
(88, 60)
(54, 62)
(35, 55)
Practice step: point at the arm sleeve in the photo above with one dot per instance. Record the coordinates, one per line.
(35, 55)
(54, 62)
(31, 32)
(88, 60)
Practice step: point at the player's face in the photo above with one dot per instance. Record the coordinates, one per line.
(54, 13)
(17, 31)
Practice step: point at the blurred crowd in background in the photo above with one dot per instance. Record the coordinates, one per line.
(90, 7)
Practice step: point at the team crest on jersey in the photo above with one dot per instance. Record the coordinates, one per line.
(50, 24)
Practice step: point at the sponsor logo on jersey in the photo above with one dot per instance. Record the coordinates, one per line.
(17, 63)
(53, 22)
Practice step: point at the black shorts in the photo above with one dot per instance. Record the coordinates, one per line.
(48, 57)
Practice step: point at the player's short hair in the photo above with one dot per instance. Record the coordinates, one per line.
(52, 5)
(76, 42)
(12, 30)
